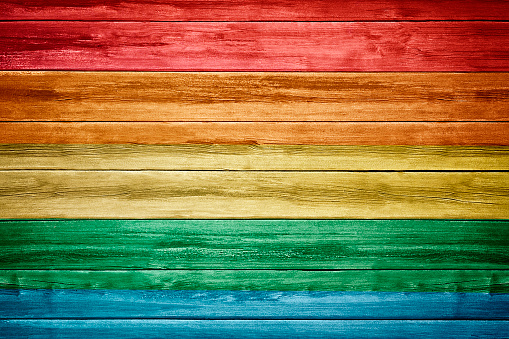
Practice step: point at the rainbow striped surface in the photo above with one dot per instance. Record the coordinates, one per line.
(254, 169)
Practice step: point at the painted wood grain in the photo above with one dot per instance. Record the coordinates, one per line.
(253, 157)
(107, 304)
(156, 96)
(212, 195)
(254, 244)
(262, 133)
(478, 281)
(257, 46)
(158, 328)
(255, 10)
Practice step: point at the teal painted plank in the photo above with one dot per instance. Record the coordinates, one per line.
(484, 281)
(254, 244)
(103, 304)
(151, 328)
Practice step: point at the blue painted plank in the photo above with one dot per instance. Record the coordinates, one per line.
(76, 304)
(157, 328)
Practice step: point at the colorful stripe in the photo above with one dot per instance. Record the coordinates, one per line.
(225, 194)
(159, 328)
(473, 46)
(245, 305)
(474, 281)
(256, 10)
(263, 133)
(253, 96)
(237, 244)
(253, 158)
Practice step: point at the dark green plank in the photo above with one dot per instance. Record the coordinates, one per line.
(485, 281)
(254, 244)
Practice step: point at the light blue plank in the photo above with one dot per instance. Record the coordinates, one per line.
(151, 328)
(75, 304)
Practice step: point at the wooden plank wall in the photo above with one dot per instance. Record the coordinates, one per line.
(242, 168)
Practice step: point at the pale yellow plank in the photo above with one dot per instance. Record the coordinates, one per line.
(252, 157)
(227, 194)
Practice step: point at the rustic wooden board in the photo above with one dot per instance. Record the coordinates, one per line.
(254, 244)
(255, 10)
(256, 46)
(268, 133)
(107, 304)
(253, 157)
(479, 281)
(227, 194)
(159, 328)
(149, 96)
(295, 244)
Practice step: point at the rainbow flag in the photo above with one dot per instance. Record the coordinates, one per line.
(254, 169)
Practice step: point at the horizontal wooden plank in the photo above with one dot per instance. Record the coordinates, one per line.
(254, 244)
(264, 133)
(211, 194)
(253, 157)
(142, 96)
(478, 281)
(104, 304)
(257, 46)
(255, 10)
(158, 328)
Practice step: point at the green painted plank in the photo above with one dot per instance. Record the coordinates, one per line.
(254, 244)
(253, 195)
(480, 281)
(253, 157)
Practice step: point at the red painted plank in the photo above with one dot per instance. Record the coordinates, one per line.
(255, 10)
(296, 133)
(262, 46)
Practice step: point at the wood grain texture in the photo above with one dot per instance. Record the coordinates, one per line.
(107, 304)
(263, 133)
(253, 157)
(149, 96)
(210, 194)
(478, 281)
(158, 328)
(257, 46)
(255, 10)
(254, 244)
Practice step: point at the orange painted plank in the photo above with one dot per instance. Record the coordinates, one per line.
(255, 10)
(255, 46)
(253, 96)
(318, 133)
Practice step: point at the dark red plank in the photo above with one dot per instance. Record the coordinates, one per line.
(255, 10)
(263, 46)
(292, 133)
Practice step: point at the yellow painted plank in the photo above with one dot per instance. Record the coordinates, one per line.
(228, 194)
(252, 157)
